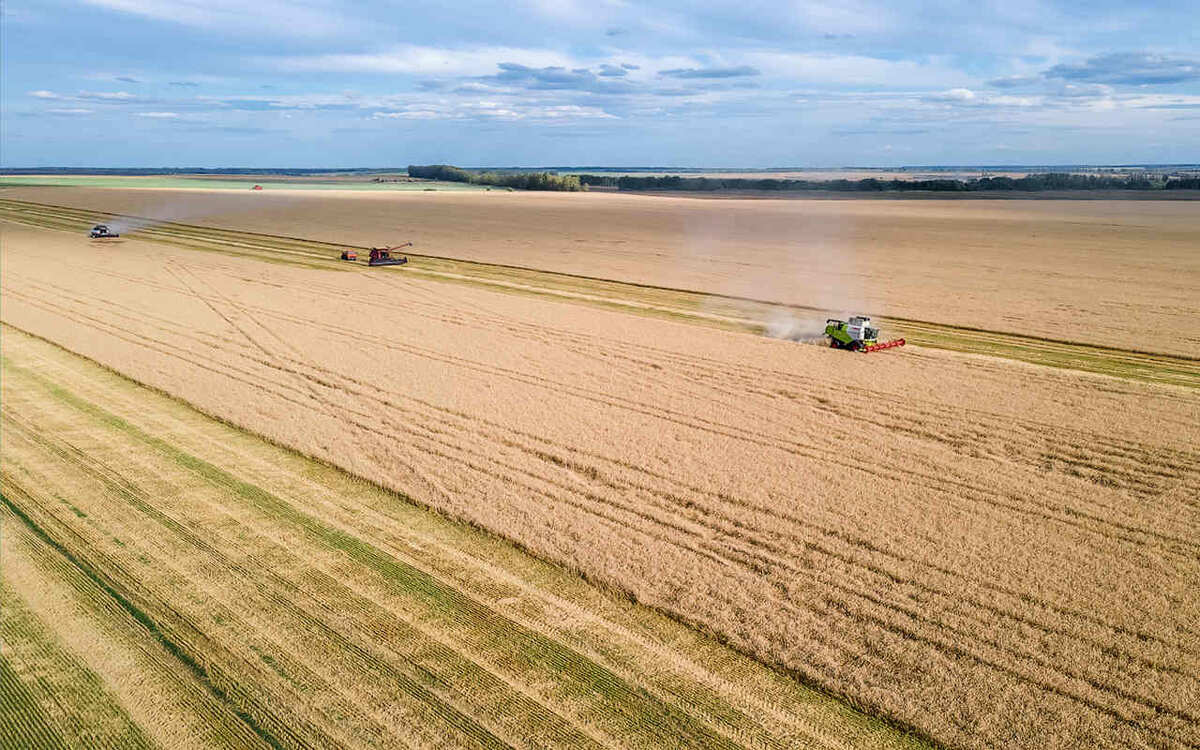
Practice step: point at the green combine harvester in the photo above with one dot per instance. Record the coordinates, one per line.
(856, 335)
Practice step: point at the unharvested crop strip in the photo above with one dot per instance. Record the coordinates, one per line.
(1017, 503)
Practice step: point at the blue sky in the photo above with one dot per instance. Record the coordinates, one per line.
(820, 83)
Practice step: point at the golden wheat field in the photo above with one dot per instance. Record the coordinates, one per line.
(983, 552)
(170, 581)
(1116, 273)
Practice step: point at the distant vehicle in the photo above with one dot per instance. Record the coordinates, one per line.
(349, 255)
(382, 256)
(101, 231)
(257, 187)
(856, 335)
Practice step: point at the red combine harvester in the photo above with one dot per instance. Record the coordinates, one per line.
(382, 256)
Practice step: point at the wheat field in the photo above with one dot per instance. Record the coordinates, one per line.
(1115, 273)
(170, 581)
(991, 553)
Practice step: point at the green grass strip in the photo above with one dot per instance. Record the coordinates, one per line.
(143, 619)
(23, 722)
(96, 718)
(525, 649)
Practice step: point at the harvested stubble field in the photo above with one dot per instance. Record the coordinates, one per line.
(1114, 273)
(993, 568)
(171, 581)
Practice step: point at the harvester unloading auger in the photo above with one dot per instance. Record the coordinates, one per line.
(857, 335)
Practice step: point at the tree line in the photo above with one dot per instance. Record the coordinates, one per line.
(1028, 183)
(518, 180)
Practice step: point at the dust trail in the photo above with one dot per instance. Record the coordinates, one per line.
(785, 323)
(180, 206)
(817, 267)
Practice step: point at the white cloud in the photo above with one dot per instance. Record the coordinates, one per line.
(426, 61)
(69, 111)
(1014, 101)
(494, 109)
(844, 16)
(43, 94)
(853, 70)
(111, 96)
(955, 95)
(159, 115)
(285, 18)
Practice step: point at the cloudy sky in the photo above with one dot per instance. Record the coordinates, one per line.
(320, 83)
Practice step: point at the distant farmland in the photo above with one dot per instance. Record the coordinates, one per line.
(989, 552)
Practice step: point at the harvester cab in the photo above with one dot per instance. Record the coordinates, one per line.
(856, 335)
(101, 231)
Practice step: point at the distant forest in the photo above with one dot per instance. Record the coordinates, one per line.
(550, 179)
(1030, 183)
(518, 180)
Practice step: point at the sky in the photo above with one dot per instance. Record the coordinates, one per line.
(727, 83)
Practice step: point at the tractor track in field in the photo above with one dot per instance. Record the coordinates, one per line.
(1141, 464)
(1127, 363)
(832, 579)
(691, 699)
(726, 551)
(327, 377)
(337, 612)
(282, 593)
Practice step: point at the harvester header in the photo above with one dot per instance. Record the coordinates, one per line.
(857, 335)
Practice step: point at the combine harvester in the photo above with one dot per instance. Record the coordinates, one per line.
(856, 335)
(102, 232)
(380, 256)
